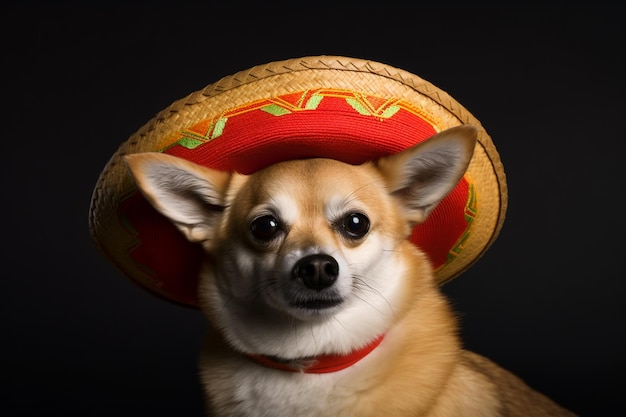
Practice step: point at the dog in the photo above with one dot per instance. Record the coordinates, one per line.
(318, 303)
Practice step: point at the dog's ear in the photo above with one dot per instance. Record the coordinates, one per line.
(421, 176)
(190, 195)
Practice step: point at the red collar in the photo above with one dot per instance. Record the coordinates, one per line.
(318, 364)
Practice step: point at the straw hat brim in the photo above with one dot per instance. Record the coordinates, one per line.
(323, 106)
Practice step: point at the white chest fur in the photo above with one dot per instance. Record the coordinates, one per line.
(246, 389)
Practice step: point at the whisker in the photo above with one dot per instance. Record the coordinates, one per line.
(360, 284)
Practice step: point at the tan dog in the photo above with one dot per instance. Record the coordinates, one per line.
(318, 303)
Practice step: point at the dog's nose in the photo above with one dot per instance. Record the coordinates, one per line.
(316, 271)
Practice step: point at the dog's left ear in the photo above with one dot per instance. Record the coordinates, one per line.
(190, 195)
(421, 176)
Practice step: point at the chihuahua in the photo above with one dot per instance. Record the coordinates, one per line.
(318, 303)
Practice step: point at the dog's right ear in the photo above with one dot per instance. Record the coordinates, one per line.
(190, 195)
(422, 175)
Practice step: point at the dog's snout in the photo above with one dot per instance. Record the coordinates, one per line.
(317, 271)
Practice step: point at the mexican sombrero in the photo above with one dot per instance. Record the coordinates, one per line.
(322, 106)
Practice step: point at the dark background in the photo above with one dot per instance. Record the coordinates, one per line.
(545, 79)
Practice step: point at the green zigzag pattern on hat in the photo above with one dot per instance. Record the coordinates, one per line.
(310, 104)
(361, 109)
(471, 211)
(278, 107)
(191, 140)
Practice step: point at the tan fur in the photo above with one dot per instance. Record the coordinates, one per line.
(418, 370)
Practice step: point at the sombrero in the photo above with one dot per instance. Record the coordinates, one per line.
(322, 106)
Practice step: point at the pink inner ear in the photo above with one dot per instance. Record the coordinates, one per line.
(341, 125)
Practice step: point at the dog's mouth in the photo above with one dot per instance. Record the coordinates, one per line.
(316, 304)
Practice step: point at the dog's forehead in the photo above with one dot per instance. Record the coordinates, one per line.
(313, 182)
(314, 174)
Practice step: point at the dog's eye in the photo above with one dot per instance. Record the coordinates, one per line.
(264, 228)
(356, 225)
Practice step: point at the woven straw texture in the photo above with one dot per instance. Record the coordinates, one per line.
(486, 172)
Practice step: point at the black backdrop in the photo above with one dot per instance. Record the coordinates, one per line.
(546, 81)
